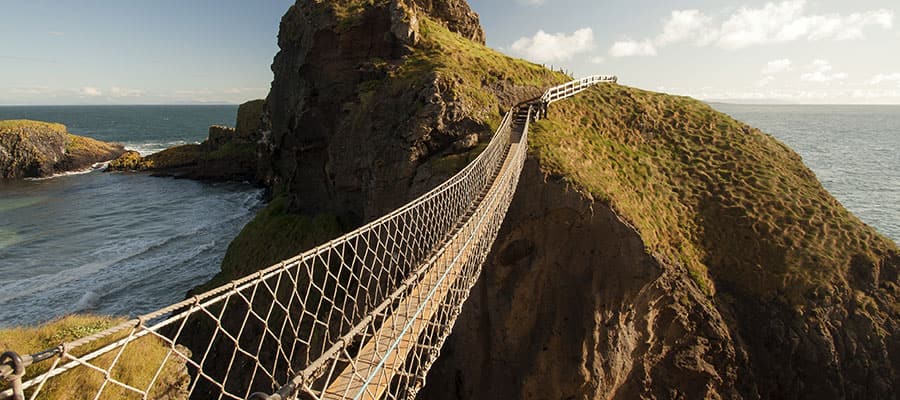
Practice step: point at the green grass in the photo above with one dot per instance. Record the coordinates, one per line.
(273, 236)
(85, 146)
(132, 367)
(729, 203)
(18, 124)
(452, 163)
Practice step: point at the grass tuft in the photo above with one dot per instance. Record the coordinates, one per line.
(131, 369)
(729, 203)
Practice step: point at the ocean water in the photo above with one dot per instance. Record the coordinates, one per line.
(147, 129)
(109, 243)
(853, 150)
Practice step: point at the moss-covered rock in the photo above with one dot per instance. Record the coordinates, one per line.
(34, 149)
(274, 235)
(657, 248)
(227, 154)
(137, 365)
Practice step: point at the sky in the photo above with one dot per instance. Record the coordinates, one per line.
(220, 51)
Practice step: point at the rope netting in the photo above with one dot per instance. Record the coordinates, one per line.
(362, 316)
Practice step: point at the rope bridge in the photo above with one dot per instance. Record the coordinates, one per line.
(360, 317)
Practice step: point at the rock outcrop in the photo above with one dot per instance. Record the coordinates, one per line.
(33, 149)
(655, 247)
(701, 259)
(227, 154)
(359, 104)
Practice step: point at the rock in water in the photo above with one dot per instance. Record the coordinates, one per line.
(34, 149)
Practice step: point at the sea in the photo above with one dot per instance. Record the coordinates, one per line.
(128, 244)
(115, 243)
(854, 150)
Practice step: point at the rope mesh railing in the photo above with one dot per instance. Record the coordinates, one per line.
(362, 316)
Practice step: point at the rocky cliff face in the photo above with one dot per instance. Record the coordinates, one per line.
(701, 260)
(655, 248)
(590, 316)
(227, 154)
(356, 109)
(32, 149)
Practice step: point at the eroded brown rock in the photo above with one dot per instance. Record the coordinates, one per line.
(33, 149)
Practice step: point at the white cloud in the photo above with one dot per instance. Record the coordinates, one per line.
(780, 22)
(91, 91)
(597, 60)
(532, 2)
(885, 78)
(786, 21)
(116, 91)
(56, 33)
(546, 47)
(686, 25)
(821, 71)
(765, 81)
(629, 48)
(777, 66)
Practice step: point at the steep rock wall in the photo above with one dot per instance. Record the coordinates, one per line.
(571, 306)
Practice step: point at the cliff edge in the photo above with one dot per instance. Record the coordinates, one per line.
(34, 149)
(655, 247)
(702, 259)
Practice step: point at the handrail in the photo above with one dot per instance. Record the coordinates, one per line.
(574, 87)
(429, 226)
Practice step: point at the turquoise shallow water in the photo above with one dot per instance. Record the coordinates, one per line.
(854, 151)
(116, 244)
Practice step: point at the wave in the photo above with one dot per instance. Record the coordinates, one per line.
(93, 168)
(147, 148)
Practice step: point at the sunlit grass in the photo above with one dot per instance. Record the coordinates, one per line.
(728, 202)
(137, 365)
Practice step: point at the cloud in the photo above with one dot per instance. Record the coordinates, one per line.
(597, 60)
(786, 21)
(780, 22)
(532, 2)
(765, 81)
(821, 71)
(629, 48)
(91, 91)
(116, 91)
(546, 47)
(56, 33)
(686, 25)
(777, 66)
(881, 79)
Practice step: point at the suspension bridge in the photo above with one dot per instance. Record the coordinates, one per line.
(360, 317)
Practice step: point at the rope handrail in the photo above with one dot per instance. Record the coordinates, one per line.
(361, 316)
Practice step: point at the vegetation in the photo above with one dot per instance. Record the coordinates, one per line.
(273, 236)
(80, 146)
(7, 126)
(131, 368)
(731, 204)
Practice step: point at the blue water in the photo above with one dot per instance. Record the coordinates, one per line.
(147, 129)
(127, 244)
(854, 151)
(109, 243)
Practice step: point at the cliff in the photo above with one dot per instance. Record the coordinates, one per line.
(703, 260)
(34, 149)
(227, 154)
(655, 248)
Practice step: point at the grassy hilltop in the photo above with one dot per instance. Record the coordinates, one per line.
(731, 204)
(786, 266)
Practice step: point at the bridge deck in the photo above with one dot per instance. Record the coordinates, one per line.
(377, 363)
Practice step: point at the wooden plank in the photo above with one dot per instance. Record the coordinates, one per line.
(352, 380)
